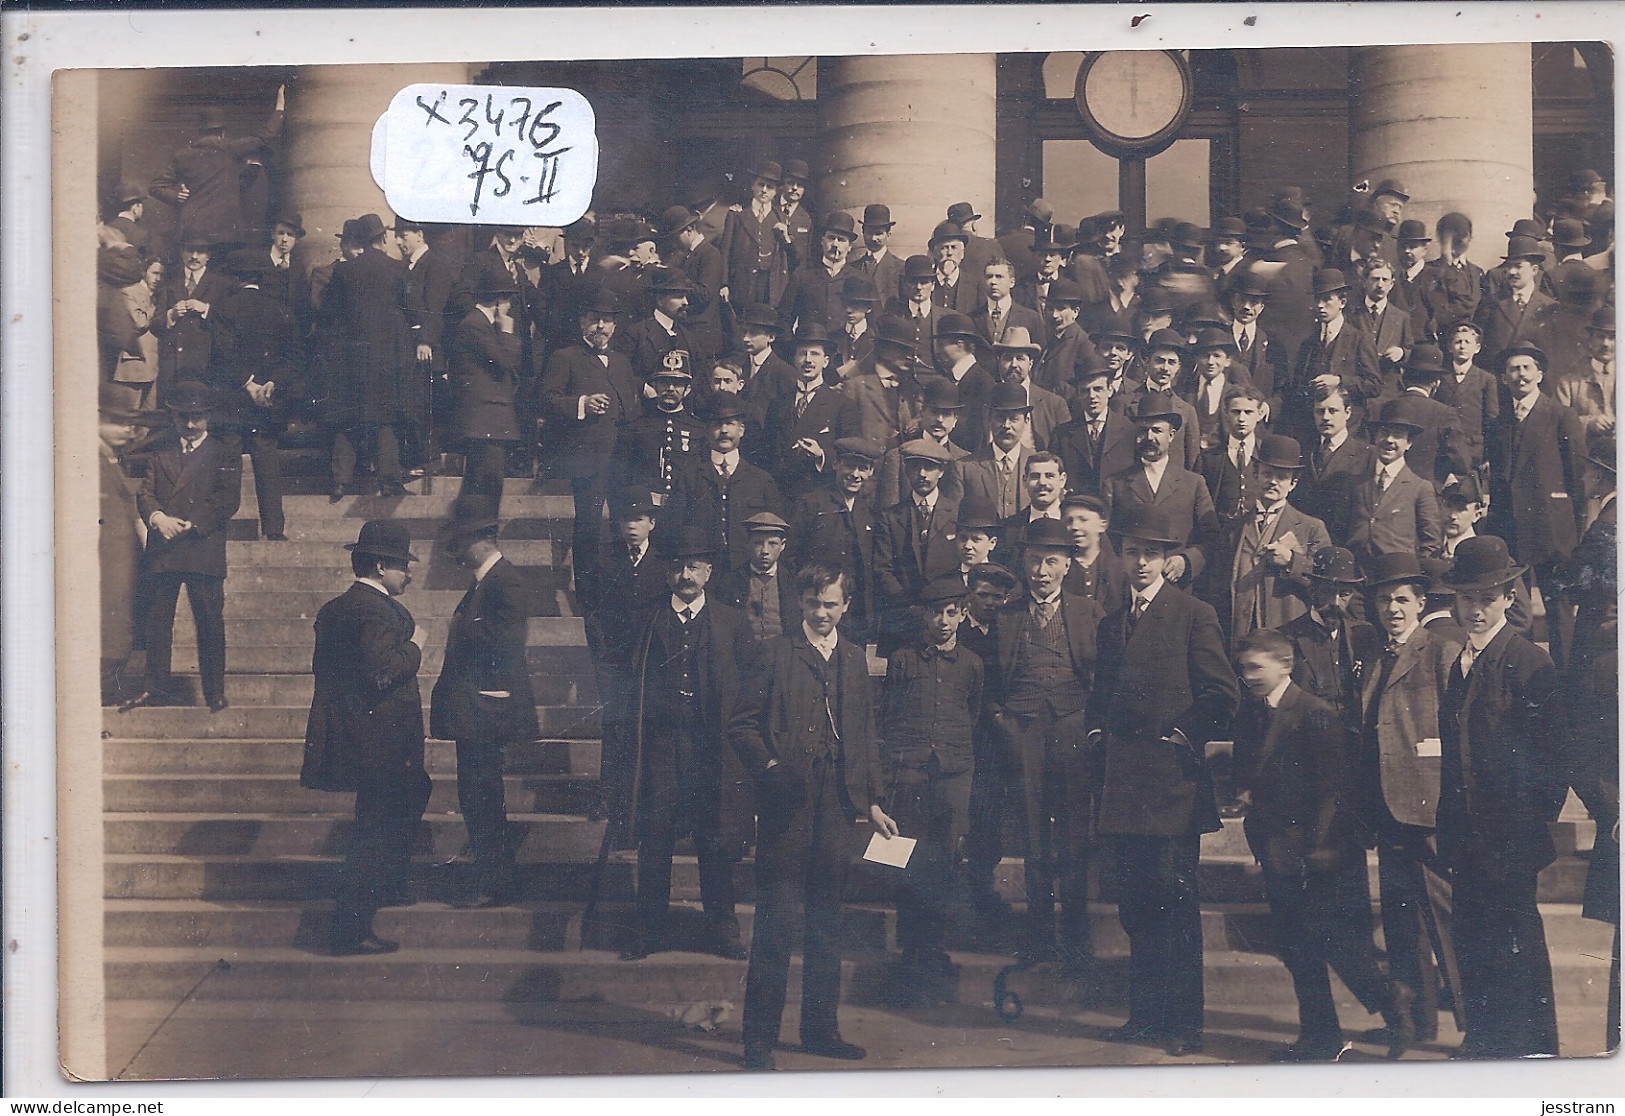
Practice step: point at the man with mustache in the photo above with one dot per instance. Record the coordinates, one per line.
(815, 290)
(1180, 495)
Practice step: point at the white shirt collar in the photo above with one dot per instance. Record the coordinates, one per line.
(1332, 329)
(374, 583)
(1479, 642)
(485, 566)
(929, 501)
(1155, 470)
(759, 359)
(1012, 455)
(1249, 443)
(694, 607)
(1273, 698)
(1391, 469)
(666, 323)
(423, 250)
(1149, 593)
(1339, 438)
(195, 443)
(1033, 600)
(1405, 636)
(1451, 544)
(1034, 514)
(824, 645)
(731, 459)
(962, 366)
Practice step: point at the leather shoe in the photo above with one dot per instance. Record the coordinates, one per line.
(337, 494)
(217, 704)
(728, 947)
(759, 1057)
(365, 947)
(276, 536)
(640, 948)
(1179, 1046)
(391, 491)
(482, 901)
(146, 699)
(1132, 1032)
(833, 1046)
(1310, 1050)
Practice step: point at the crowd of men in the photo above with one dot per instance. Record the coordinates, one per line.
(1097, 500)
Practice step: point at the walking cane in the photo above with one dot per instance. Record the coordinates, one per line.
(429, 455)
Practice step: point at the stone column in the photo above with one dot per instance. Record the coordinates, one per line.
(915, 132)
(1455, 124)
(331, 112)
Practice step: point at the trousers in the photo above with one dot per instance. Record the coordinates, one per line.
(1159, 906)
(482, 799)
(379, 857)
(934, 809)
(1506, 972)
(206, 593)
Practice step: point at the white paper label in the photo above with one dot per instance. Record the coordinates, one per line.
(487, 154)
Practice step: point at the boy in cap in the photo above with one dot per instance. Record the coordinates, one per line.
(1096, 571)
(1464, 507)
(1503, 781)
(762, 589)
(1292, 771)
(191, 491)
(365, 732)
(929, 710)
(978, 534)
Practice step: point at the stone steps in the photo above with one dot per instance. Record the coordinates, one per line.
(267, 722)
(520, 499)
(549, 684)
(426, 529)
(303, 602)
(299, 631)
(282, 757)
(282, 794)
(267, 836)
(294, 658)
(331, 555)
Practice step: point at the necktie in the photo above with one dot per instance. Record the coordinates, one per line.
(1325, 336)
(191, 281)
(1246, 341)
(724, 470)
(1094, 431)
(1241, 456)
(685, 614)
(1265, 515)
(1325, 448)
(282, 262)
(1136, 610)
(998, 322)
(635, 554)
(1046, 612)
(802, 399)
(187, 447)
(923, 517)
(1382, 480)
(1392, 649)
(1468, 654)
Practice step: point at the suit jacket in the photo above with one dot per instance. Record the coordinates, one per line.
(733, 590)
(485, 653)
(1057, 366)
(886, 272)
(183, 351)
(1326, 488)
(823, 531)
(528, 310)
(484, 380)
(795, 470)
(1447, 294)
(1050, 413)
(1392, 329)
(290, 286)
(204, 488)
(699, 498)
(614, 596)
(1016, 315)
(428, 290)
(1536, 496)
(1266, 362)
(254, 337)
(1183, 496)
(1441, 447)
(654, 446)
(1477, 403)
(1210, 423)
(1090, 462)
(903, 564)
(646, 343)
(925, 329)
(1255, 593)
(366, 718)
(1082, 616)
(1328, 667)
(965, 293)
(1169, 673)
(581, 447)
(1293, 759)
(1013, 537)
(773, 380)
(564, 293)
(872, 410)
(1289, 313)
(747, 242)
(1404, 711)
(363, 313)
(786, 707)
(1234, 490)
(210, 167)
(1351, 357)
(981, 476)
(975, 386)
(891, 480)
(813, 296)
(1503, 323)
(1504, 773)
(704, 269)
(1404, 519)
(1106, 582)
(1583, 393)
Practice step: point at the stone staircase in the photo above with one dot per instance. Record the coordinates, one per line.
(220, 867)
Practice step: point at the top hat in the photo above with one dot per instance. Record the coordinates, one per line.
(1155, 405)
(768, 170)
(675, 219)
(581, 229)
(1048, 534)
(1570, 232)
(1390, 186)
(189, 397)
(877, 217)
(948, 230)
(1016, 339)
(688, 542)
(291, 218)
(1009, 396)
(955, 324)
(1039, 210)
(1336, 565)
(1279, 452)
(368, 228)
(603, 302)
(1521, 348)
(1146, 522)
(211, 119)
(724, 406)
(976, 512)
(962, 213)
(1524, 248)
(796, 170)
(995, 573)
(940, 394)
(941, 590)
(1602, 320)
(859, 289)
(1413, 232)
(924, 449)
(1165, 339)
(919, 267)
(766, 523)
(839, 221)
(865, 449)
(759, 315)
(1482, 562)
(632, 501)
(1221, 339)
(1228, 228)
(674, 365)
(812, 333)
(895, 331)
(1329, 280)
(1390, 569)
(384, 538)
(1404, 412)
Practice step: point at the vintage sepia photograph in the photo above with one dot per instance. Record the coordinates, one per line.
(738, 564)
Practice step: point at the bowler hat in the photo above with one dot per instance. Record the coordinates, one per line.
(1205, 314)
(1048, 534)
(761, 316)
(1065, 291)
(1009, 396)
(1464, 489)
(940, 394)
(290, 217)
(669, 280)
(962, 213)
(1583, 180)
(994, 573)
(1414, 232)
(1228, 228)
(603, 302)
(766, 523)
(471, 520)
(1602, 320)
(1482, 562)
(675, 219)
(1039, 210)
(1158, 405)
(492, 281)
(1189, 235)
(384, 538)
(1529, 227)
(866, 449)
(1579, 286)
(859, 289)
(1390, 186)
(1251, 285)
(768, 170)
(1154, 301)
(1329, 280)
(1524, 248)
(1279, 452)
(347, 233)
(1165, 339)
(894, 330)
(582, 229)
(1221, 339)
(687, 542)
(796, 170)
(839, 221)
(368, 228)
(947, 230)
(129, 192)
(1425, 363)
(1016, 339)
(977, 513)
(919, 267)
(189, 397)
(1288, 214)
(1601, 450)
(1145, 522)
(674, 365)
(941, 590)
(812, 333)
(1336, 565)
(1052, 238)
(1116, 332)
(877, 217)
(1404, 412)
(724, 406)
(631, 501)
(120, 265)
(955, 324)
(1090, 367)
(1570, 232)
(1390, 569)
(924, 449)
(1521, 348)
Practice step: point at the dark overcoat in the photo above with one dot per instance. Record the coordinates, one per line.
(369, 354)
(1294, 761)
(206, 489)
(581, 447)
(485, 652)
(254, 336)
(1536, 496)
(1406, 715)
(484, 380)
